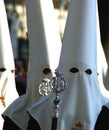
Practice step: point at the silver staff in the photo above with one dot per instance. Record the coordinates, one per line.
(58, 85)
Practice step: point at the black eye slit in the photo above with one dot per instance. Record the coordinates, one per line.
(89, 71)
(46, 71)
(74, 70)
(2, 69)
(13, 71)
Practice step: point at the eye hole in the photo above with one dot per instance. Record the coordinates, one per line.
(74, 70)
(89, 71)
(13, 71)
(46, 71)
(2, 69)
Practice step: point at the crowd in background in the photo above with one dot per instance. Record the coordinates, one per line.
(20, 49)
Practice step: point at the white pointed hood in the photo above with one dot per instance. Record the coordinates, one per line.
(44, 53)
(102, 65)
(45, 42)
(80, 43)
(82, 101)
(7, 67)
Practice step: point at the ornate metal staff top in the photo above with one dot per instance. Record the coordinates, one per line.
(58, 85)
(44, 87)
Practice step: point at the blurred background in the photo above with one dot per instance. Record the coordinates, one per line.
(16, 14)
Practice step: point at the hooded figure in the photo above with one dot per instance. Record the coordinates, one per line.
(102, 65)
(8, 91)
(103, 117)
(44, 53)
(83, 99)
